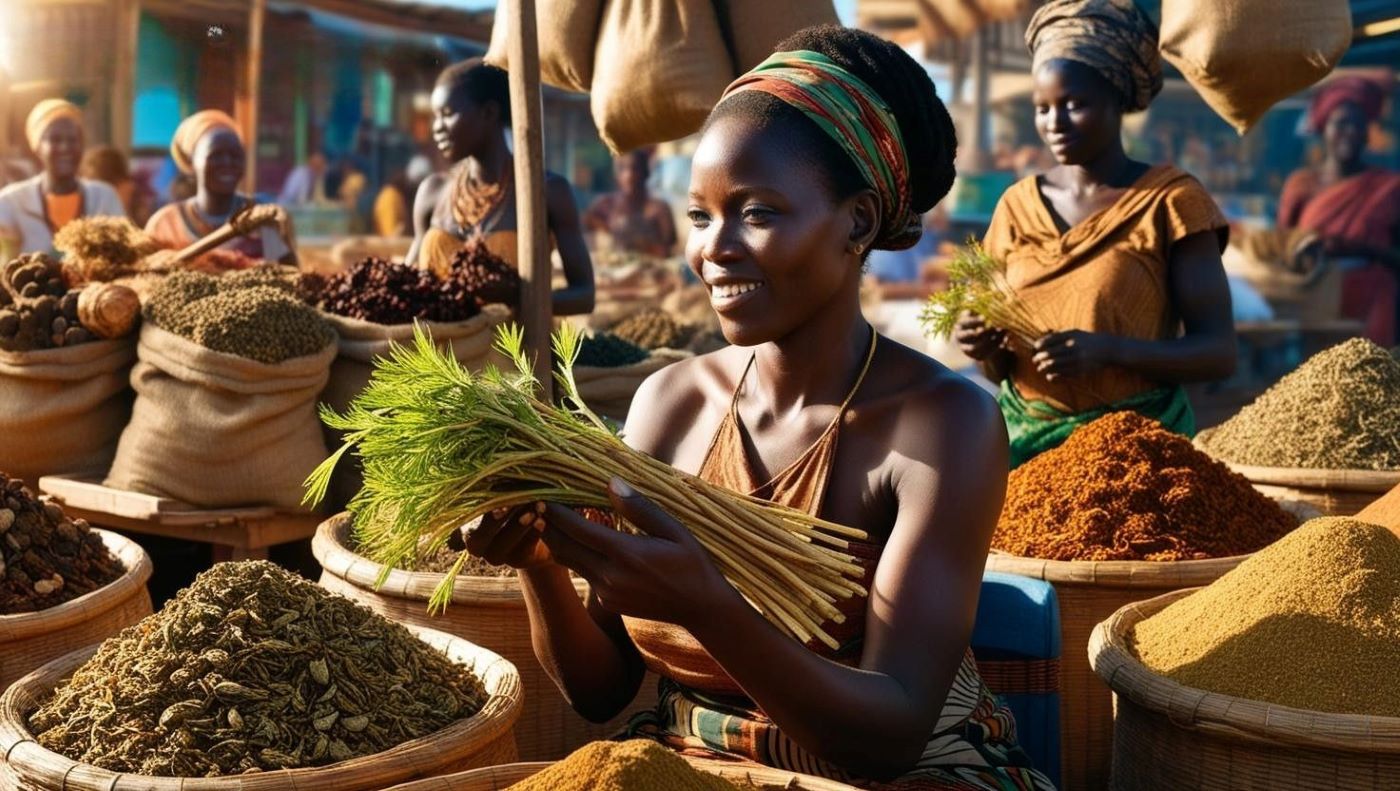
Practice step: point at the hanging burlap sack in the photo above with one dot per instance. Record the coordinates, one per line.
(658, 69)
(62, 410)
(567, 31)
(1242, 56)
(471, 342)
(753, 29)
(217, 430)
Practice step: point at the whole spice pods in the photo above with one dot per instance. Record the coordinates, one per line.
(37, 311)
(1312, 622)
(252, 668)
(1125, 488)
(441, 446)
(46, 558)
(384, 292)
(1339, 411)
(485, 275)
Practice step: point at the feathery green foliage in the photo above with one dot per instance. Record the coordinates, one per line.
(441, 445)
(977, 284)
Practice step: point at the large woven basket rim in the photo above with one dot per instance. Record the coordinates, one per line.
(494, 721)
(1221, 715)
(1308, 477)
(91, 605)
(499, 777)
(331, 548)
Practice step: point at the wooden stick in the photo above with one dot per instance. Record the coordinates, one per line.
(531, 218)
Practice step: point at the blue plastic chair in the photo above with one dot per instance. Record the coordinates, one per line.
(1016, 640)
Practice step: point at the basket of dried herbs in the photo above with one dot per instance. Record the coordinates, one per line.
(487, 608)
(609, 369)
(1327, 434)
(63, 583)
(257, 680)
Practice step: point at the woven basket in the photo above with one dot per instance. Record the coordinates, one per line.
(28, 640)
(485, 739)
(488, 611)
(1170, 736)
(1333, 492)
(497, 778)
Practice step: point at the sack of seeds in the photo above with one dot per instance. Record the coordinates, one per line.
(215, 429)
(62, 410)
(609, 390)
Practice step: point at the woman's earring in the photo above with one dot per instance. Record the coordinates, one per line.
(858, 248)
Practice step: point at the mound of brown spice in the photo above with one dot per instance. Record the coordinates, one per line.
(1312, 622)
(633, 765)
(46, 558)
(1125, 488)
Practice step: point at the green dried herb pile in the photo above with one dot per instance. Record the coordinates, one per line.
(1340, 410)
(252, 668)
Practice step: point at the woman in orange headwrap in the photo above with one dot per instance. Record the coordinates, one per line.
(208, 146)
(1354, 207)
(33, 210)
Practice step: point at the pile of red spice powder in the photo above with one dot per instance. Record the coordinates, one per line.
(1125, 488)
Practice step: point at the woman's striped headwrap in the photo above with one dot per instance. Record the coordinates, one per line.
(853, 114)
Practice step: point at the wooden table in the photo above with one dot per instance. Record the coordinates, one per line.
(236, 533)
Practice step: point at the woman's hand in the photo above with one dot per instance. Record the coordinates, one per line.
(1073, 353)
(662, 575)
(978, 339)
(510, 537)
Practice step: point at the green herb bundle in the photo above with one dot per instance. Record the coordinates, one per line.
(441, 445)
(978, 284)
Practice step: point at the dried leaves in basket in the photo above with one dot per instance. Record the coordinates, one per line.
(253, 668)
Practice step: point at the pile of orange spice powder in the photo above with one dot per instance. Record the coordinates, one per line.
(1125, 488)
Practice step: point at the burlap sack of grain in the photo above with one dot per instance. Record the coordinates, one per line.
(361, 343)
(1242, 56)
(567, 32)
(62, 410)
(217, 430)
(659, 66)
(753, 28)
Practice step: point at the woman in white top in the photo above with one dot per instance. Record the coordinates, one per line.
(33, 210)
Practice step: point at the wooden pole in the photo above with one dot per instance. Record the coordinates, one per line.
(257, 15)
(128, 27)
(982, 126)
(5, 100)
(532, 229)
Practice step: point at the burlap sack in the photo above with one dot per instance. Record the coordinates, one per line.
(62, 410)
(362, 342)
(752, 29)
(659, 67)
(1242, 56)
(609, 391)
(217, 430)
(567, 31)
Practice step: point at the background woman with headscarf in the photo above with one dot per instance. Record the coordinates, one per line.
(209, 147)
(1355, 208)
(33, 210)
(475, 198)
(1119, 259)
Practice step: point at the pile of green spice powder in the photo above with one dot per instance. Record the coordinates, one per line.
(1340, 410)
(1311, 622)
(255, 314)
(250, 669)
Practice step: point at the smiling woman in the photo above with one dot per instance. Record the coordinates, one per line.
(209, 146)
(832, 146)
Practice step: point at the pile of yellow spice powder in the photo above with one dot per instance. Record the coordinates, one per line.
(634, 765)
(1311, 622)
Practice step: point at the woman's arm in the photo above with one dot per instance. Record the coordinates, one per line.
(423, 204)
(1205, 351)
(575, 299)
(875, 719)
